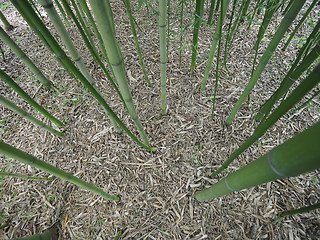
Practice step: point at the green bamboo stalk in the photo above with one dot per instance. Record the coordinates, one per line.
(300, 210)
(216, 38)
(285, 11)
(5, 22)
(24, 58)
(135, 37)
(197, 23)
(291, 77)
(2, 54)
(317, 93)
(257, 6)
(28, 159)
(299, 24)
(103, 15)
(168, 27)
(27, 116)
(42, 236)
(26, 97)
(62, 13)
(92, 48)
(36, 9)
(16, 175)
(64, 35)
(298, 155)
(297, 94)
(163, 59)
(285, 23)
(182, 3)
(30, 16)
(211, 11)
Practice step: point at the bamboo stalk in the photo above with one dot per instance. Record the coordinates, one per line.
(216, 38)
(62, 13)
(211, 11)
(285, 23)
(135, 37)
(198, 20)
(7, 79)
(29, 14)
(42, 236)
(5, 22)
(28, 117)
(103, 15)
(24, 58)
(26, 158)
(298, 155)
(300, 210)
(297, 94)
(163, 58)
(306, 14)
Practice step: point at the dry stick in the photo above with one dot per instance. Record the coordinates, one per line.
(28, 159)
(24, 58)
(32, 19)
(163, 58)
(298, 155)
(285, 23)
(8, 80)
(133, 29)
(27, 116)
(297, 94)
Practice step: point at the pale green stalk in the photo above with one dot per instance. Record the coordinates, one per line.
(103, 15)
(5, 22)
(24, 58)
(17, 175)
(26, 158)
(62, 13)
(27, 116)
(163, 58)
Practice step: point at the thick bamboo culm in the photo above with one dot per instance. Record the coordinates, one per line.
(5, 22)
(298, 155)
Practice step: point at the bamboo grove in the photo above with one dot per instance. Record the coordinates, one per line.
(296, 156)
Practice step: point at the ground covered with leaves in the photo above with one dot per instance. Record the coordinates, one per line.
(156, 188)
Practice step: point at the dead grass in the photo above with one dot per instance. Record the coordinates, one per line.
(157, 189)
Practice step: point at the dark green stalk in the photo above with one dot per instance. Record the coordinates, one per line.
(42, 236)
(24, 58)
(62, 13)
(300, 23)
(135, 37)
(211, 11)
(103, 15)
(36, 9)
(16, 175)
(163, 58)
(298, 155)
(27, 116)
(291, 77)
(26, 158)
(182, 3)
(216, 38)
(288, 7)
(300, 210)
(5, 22)
(257, 6)
(297, 94)
(2, 54)
(197, 23)
(317, 93)
(28, 14)
(26, 97)
(285, 23)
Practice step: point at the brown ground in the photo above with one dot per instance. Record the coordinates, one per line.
(157, 189)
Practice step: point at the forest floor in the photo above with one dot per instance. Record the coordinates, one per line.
(156, 188)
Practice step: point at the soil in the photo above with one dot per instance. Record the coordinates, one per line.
(156, 188)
